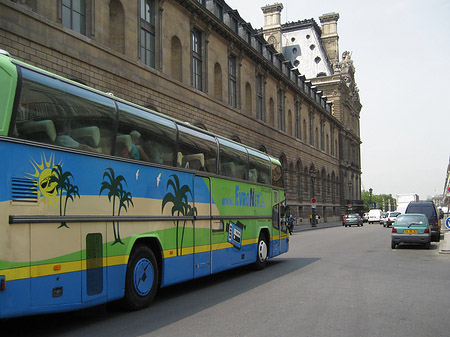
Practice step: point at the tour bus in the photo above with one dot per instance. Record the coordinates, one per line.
(101, 199)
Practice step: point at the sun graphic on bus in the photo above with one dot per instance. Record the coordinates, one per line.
(43, 172)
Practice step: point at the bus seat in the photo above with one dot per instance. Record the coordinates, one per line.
(41, 131)
(241, 172)
(89, 135)
(227, 169)
(194, 161)
(253, 175)
(211, 165)
(179, 159)
(124, 144)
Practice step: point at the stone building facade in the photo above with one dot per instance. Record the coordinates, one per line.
(200, 62)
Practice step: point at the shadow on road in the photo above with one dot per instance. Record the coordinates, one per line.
(171, 304)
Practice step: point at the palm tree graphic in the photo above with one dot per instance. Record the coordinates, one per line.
(115, 189)
(181, 206)
(63, 184)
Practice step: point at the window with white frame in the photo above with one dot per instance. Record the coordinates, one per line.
(147, 23)
(232, 81)
(197, 59)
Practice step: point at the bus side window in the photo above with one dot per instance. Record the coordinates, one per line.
(150, 137)
(259, 167)
(53, 111)
(196, 150)
(233, 160)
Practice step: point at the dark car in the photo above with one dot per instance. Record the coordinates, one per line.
(352, 219)
(428, 208)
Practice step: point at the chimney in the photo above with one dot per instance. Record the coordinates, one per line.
(330, 36)
(272, 24)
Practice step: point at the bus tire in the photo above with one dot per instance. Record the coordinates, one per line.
(262, 252)
(142, 278)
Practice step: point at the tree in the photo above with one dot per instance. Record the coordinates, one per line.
(115, 190)
(381, 201)
(63, 184)
(179, 199)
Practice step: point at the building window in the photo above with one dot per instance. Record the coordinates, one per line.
(202, 2)
(322, 135)
(148, 17)
(232, 82)
(218, 11)
(311, 128)
(234, 24)
(73, 15)
(197, 59)
(281, 118)
(260, 47)
(297, 120)
(259, 97)
(332, 140)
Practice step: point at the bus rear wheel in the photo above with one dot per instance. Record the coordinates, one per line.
(262, 253)
(142, 278)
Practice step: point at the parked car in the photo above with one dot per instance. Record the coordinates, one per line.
(383, 218)
(366, 217)
(352, 219)
(411, 228)
(374, 216)
(390, 218)
(429, 209)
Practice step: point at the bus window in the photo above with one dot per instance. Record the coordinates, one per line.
(145, 136)
(197, 151)
(277, 176)
(233, 160)
(258, 167)
(56, 112)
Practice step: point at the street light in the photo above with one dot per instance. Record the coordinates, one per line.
(370, 197)
(312, 173)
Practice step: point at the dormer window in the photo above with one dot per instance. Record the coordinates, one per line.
(234, 24)
(218, 10)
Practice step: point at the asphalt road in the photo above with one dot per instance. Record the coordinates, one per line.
(333, 282)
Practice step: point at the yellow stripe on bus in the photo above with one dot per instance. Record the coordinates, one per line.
(58, 268)
(75, 266)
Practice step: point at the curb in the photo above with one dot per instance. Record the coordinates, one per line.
(303, 228)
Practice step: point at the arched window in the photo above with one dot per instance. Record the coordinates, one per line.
(176, 59)
(116, 26)
(248, 99)
(316, 141)
(271, 112)
(217, 81)
(304, 131)
(290, 125)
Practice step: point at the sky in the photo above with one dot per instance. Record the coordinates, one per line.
(400, 50)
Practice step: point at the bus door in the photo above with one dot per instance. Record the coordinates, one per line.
(202, 227)
(55, 281)
(94, 276)
(276, 237)
(279, 221)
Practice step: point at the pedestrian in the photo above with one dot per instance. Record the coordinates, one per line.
(291, 224)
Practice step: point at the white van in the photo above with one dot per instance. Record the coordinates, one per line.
(374, 215)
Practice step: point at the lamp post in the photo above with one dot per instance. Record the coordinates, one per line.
(370, 198)
(312, 173)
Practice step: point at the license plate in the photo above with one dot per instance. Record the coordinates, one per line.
(410, 231)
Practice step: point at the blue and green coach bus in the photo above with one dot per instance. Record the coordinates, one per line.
(104, 200)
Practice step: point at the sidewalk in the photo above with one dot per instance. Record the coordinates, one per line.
(307, 226)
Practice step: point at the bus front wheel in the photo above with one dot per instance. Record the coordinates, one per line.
(262, 253)
(142, 278)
